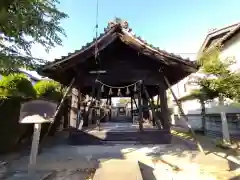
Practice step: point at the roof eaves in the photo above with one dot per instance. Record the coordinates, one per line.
(229, 35)
(157, 49)
(217, 32)
(82, 49)
(221, 41)
(128, 32)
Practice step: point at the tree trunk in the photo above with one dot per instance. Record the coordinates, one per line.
(203, 115)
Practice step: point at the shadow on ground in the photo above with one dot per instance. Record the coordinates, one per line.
(147, 171)
(208, 147)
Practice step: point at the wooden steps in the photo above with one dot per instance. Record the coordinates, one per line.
(118, 170)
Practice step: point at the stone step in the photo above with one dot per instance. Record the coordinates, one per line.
(146, 137)
(118, 170)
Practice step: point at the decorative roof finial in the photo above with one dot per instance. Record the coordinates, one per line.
(117, 20)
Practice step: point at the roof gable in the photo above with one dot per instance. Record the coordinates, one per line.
(219, 37)
(142, 59)
(123, 32)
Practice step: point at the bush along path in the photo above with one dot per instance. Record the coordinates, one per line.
(15, 89)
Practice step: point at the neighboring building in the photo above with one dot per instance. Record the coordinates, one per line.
(229, 38)
(32, 75)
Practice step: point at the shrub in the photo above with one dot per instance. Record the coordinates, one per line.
(48, 89)
(16, 85)
(14, 89)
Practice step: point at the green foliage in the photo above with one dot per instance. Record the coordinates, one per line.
(24, 23)
(218, 80)
(10, 129)
(124, 100)
(237, 105)
(49, 89)
(16, 85)
(212, 65)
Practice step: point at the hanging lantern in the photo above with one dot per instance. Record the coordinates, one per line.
(110, 91)
(127, 91)
(119, 92)
(102, 88)
(135, 88)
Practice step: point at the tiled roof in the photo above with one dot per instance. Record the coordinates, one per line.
(227, 32)
(229, 35)
(123, 27)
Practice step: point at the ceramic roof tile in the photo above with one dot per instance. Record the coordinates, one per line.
(112, 25)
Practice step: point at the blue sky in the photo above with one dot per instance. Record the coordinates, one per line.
(177, 26)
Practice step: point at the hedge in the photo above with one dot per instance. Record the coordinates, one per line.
(16, 85)
(48, 89)
(14, 90)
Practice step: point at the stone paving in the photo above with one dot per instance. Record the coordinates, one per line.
(174, 161)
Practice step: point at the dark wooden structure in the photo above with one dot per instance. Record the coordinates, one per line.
(118, 58)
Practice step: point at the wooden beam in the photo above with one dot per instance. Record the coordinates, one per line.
(98, 106)
(132, 107)
(86, 116)
(74, 108)
(182, 111)
(135, 102)
(164, 109)
(59, 108)
(159, 124)
(140, 114)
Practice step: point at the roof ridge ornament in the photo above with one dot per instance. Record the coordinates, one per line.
(119, 21)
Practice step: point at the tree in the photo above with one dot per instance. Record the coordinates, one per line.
(16, 85)
(218, 80)
(49, 89)
(202, 95)
(24, 23)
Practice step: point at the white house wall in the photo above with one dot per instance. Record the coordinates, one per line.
(181, 89)
(232, 49)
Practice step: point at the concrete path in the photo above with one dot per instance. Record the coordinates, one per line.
(118, 170)
(157, 162)
(152, 159)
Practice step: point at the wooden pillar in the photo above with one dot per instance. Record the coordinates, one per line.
(134, 100)
(155, 114)
(140, 107)
(74, 108)
(98, 113)
(150, 113)
(181, 109)
(66, 114)
(132, 108)
(81, 112)
(164, 109)
(110, 112)
(145, 108)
